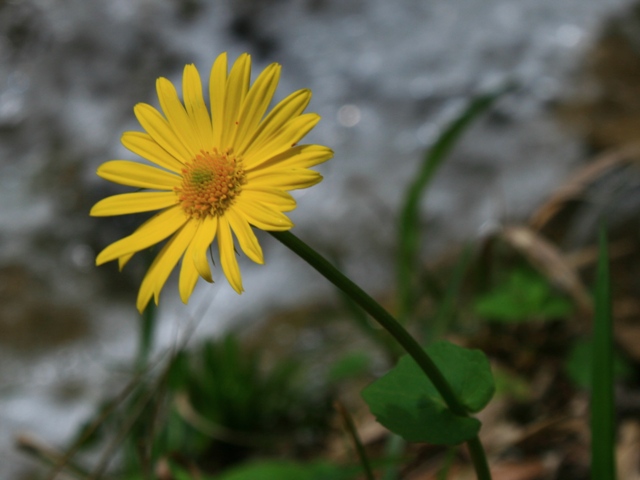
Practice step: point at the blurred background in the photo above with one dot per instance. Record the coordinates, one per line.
(387, 77)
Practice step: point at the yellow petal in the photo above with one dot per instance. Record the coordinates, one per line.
(196, 108)
(228, 258)
(133, 203)
(153, 231)
(177, 116)
(138, 175)
(188, 275)
(275, 197)
(282, 140)
(256, 103)
(262, 216)
(142, 144)
(237, 88)
(285, 179)
(246, 238)
(160, 130)
(122, 261)
(201, 243)
(217, 94)
(163, 264)
(301, 156)
(288, 108)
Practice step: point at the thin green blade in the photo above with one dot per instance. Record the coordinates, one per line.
(408, 231)
(602, 397)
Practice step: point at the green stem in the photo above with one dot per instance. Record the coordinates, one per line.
(479, 458)
(353, 432)
(397, 331)
(147, 329)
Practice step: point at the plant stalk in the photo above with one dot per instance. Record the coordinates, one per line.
(395, 329)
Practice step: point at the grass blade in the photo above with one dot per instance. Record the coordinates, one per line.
(602, 397)
(408, 232)
(446, 306)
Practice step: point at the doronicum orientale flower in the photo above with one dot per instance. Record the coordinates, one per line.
(214, 173)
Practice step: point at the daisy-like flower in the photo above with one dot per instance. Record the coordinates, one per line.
(215, 173)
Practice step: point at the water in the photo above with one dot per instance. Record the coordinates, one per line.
(386, 78)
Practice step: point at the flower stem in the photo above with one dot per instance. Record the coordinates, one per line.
(391, 325)
(479, 458)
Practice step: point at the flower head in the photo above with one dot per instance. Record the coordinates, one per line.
(215, 173)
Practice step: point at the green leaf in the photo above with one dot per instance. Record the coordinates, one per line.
(468, 372)
(525, 295)
(284, 470)
(406, 402)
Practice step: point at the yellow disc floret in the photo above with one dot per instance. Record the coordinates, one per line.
(210, 183)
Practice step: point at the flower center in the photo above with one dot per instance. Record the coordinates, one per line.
(210, 183)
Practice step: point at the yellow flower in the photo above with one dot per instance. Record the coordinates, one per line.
(214, 172)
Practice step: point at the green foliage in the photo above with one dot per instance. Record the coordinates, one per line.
(579, 364)
(145, 420)
(229, 386)
(267, 470)
(409, 227)
(236, 402)
(407, 403)
(352, 365)
(282, 470)
(157, 429)
(511, 384)
(523, 295)
(436, 327)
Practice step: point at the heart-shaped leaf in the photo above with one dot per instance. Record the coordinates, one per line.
(406, 402)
